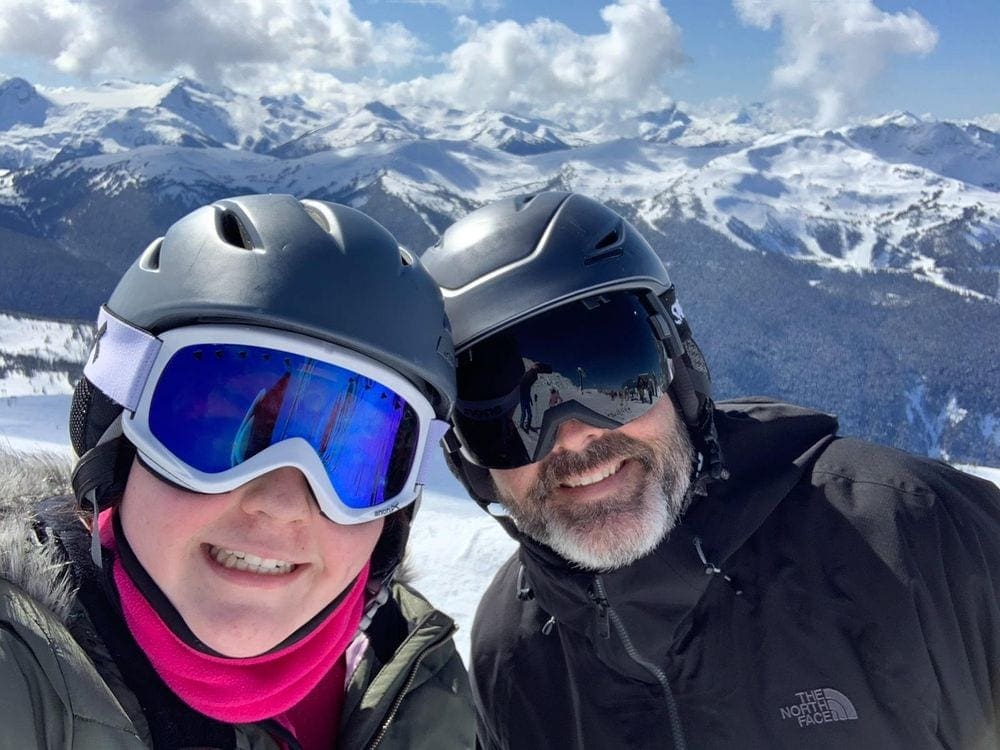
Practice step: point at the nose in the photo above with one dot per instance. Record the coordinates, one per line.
(574, 435)
(283, 494)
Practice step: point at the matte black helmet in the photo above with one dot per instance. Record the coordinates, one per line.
(309, 267)
(519, 257)
(312, 267)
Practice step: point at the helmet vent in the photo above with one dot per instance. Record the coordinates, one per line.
(522, 201)
(233, 231)
(608, 240)
(609, 246)
(318, 217)
(150, 258)
(405, 257)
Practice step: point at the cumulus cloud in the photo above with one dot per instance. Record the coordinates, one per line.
(214, 41)
(831, 50)
(457, 6)
(547, 67)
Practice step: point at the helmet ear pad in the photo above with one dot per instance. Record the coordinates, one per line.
(90, 415)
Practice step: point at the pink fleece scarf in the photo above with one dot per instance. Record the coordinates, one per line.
(237, 690)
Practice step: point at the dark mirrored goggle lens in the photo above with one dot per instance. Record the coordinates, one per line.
(597, 356)
(217, 405)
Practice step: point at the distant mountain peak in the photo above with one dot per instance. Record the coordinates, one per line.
(21, 104)
(183, 82)
(902, 119)
(667, 116)
(384, 111)
(203, 108)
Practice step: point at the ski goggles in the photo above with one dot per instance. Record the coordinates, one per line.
(215, 406)
(601, 360)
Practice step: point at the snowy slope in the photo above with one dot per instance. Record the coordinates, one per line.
(40, 357)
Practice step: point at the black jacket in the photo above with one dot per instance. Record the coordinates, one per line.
(849, 598)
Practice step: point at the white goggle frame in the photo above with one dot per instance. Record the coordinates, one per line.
(126, 364)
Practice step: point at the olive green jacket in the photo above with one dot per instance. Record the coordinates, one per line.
(61, 689)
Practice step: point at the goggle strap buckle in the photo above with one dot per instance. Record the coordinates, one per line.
(120, 359)
(667, 333)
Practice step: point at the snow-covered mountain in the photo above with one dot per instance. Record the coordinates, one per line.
(859, 259)
(894, 193)
(121, 115)
(40, 357)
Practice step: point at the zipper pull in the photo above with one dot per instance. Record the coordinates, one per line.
(603, 621)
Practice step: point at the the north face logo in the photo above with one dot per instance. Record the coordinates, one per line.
(820, 706)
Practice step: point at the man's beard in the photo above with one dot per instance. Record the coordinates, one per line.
(617, 530)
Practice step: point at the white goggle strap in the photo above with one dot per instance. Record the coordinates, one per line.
(120, 359)
(437, 430)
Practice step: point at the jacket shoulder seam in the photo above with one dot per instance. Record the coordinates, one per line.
(872, 483)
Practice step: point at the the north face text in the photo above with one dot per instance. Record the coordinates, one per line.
(819, 706)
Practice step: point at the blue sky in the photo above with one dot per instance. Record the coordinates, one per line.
(546, 57)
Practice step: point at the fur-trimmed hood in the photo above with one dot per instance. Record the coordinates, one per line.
(29, 560)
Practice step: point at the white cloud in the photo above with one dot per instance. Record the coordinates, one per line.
(547, 67)
(832, 49)
(214, 41)
(456, 6)
(990, 122)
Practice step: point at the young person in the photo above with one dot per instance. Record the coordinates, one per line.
(691, 574)
(265, 384)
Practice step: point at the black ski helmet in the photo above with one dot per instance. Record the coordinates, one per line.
(310, 267)
(518, 257)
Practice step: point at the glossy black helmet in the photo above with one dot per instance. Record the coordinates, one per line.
(523, 256)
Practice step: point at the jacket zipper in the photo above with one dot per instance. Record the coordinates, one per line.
(606, 612)
(397, 702)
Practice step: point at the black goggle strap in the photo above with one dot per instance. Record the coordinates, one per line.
(691, 384)
(476, 480)
(95, 482)
(665, 326)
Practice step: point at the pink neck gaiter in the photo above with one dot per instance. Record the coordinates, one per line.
(241, 690)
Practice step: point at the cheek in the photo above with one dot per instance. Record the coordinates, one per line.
(162, 525)
(345, 549)
(515, 482)
(653, 424)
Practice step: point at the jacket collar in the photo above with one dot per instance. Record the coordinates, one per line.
(768, 446)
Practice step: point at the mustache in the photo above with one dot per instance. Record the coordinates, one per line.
(558, 467)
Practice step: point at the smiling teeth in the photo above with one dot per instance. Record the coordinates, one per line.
(250, 563)
(598, 476)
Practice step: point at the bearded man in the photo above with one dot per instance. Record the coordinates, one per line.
(692, 574)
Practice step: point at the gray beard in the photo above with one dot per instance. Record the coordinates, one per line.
(621, 529)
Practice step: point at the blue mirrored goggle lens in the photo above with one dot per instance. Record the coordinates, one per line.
(597, 356)
(217, 405)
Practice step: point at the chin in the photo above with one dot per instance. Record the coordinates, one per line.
(231, 639)
(612, 541)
